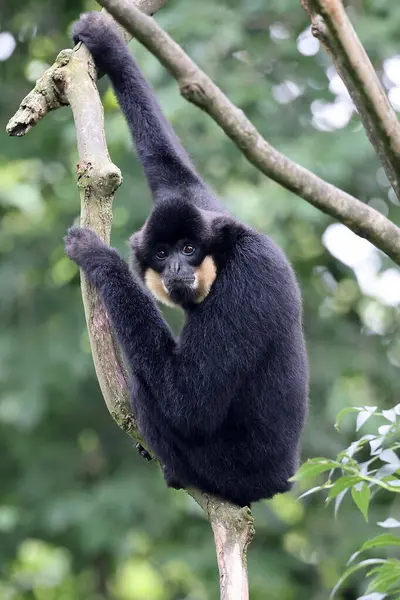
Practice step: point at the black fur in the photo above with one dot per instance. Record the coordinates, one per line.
(224, 405)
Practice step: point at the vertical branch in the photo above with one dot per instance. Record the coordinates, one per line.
(331, 25)
(233, 530)
(98, 179)
(72, 80)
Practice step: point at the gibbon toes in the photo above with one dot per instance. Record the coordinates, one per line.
(171, 479)
(143, 452)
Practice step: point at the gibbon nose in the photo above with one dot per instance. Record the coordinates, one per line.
(178, 276)
(175, 269)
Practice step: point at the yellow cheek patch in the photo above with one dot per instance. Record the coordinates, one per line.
(205, 277)
(155, 285)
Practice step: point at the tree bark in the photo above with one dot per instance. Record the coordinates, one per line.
(233, 531)
(331, 25)
(72, 80)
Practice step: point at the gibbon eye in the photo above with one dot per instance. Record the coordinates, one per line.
(188, 249)
(162, 254)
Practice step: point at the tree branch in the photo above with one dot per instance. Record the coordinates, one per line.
(72, 80)
(331, 25)
(233, 532)
(198, 88)
(48, 93)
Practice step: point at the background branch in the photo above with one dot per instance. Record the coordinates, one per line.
(331, 25)
(198, 88)
(72, 80)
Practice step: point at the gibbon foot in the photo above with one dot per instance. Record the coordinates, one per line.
(142, 451)
(171, 479)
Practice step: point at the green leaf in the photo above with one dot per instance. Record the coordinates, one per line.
(389, 456)
(312, 468)
(390, 415)
(355, 447)
(354, 569)
(343, 483)
(376, 444)
(339, 500)
(343, 413)
(385, 539)
(389, 523)
(362, 418)
(387, 575)
(361, 499)
(318, 488)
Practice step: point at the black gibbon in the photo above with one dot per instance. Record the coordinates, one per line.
(223, 405)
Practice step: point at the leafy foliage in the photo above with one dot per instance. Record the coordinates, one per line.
(379, 471)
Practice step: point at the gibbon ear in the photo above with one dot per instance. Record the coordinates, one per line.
(224, 229)
(135, 241)
(135, 263)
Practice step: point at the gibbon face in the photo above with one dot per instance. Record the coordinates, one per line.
(172, 252)
(180, 274)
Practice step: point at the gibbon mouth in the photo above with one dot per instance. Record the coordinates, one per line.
(181, 291)
(183, 283)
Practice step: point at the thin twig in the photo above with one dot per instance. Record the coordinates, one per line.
(331, 25)
(198, 88)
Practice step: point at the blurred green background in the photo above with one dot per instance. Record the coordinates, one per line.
(81, 514)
